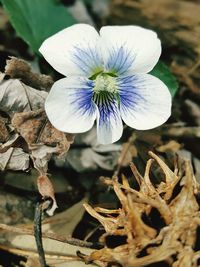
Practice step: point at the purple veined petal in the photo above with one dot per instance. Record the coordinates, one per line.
(145, 101)
(129, 50)
(74, 51)
(109, 123)
(69, 105)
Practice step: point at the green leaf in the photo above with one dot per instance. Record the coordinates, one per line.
(35, 20)
(162, 71)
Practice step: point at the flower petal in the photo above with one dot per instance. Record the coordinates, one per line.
(129, 50)
(145, 101)
(69, 105)
(109, 123)
(73, 51)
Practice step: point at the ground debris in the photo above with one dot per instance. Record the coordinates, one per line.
(20, 69)
(158, 222)
(179, 31)
(25, 120)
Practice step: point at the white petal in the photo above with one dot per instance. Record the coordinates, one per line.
(145, 101)
(129, 50)
(69, 105)
(73, 51)
(109, 123)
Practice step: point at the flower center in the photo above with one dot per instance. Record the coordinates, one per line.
(106, 83)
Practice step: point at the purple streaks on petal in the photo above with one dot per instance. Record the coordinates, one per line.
(119, 60)
(87, 59)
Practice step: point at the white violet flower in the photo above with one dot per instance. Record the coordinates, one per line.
(106, 80)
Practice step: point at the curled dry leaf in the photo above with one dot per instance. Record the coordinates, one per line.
(15, 96)
(42, 138)
(36, 129)
(14, 159)
(157, 223)
(46, 189)
(18, 68)
(4, 133)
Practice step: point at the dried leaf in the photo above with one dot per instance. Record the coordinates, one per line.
(177, 27)
(46, 189)
(171, 146)
(14, 159)
(11, 142)
(15, 96)
(4, 133)
(83, 160)
(41, 156)
(18, 68)
(36, 129)
(129, 151)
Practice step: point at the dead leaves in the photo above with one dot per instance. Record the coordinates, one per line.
(46, 190)
(4, 134)
(179, 31)
(36, 129)
(25, 132)
(60, 247)
(14, 159)
(15, 96)
(24, 106)
(18, 68)
(173, 243)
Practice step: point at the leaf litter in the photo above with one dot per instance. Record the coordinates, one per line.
(25, 120)
(87, 158)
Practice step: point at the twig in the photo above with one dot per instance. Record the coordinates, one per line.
(187, 132)
(174, 131)
(38, 234)
(33, 253)
(123, 154)
(64, 239)
(194, 67)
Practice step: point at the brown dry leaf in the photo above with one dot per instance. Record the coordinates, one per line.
(127, 154)
(180, 28)
(171, 146)
(15, 96)
(14, 159)
(176, 28)
(18, 68)
(42, 138)
(36, 129)
(4, 133)
(46, 189)
(170, 238)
